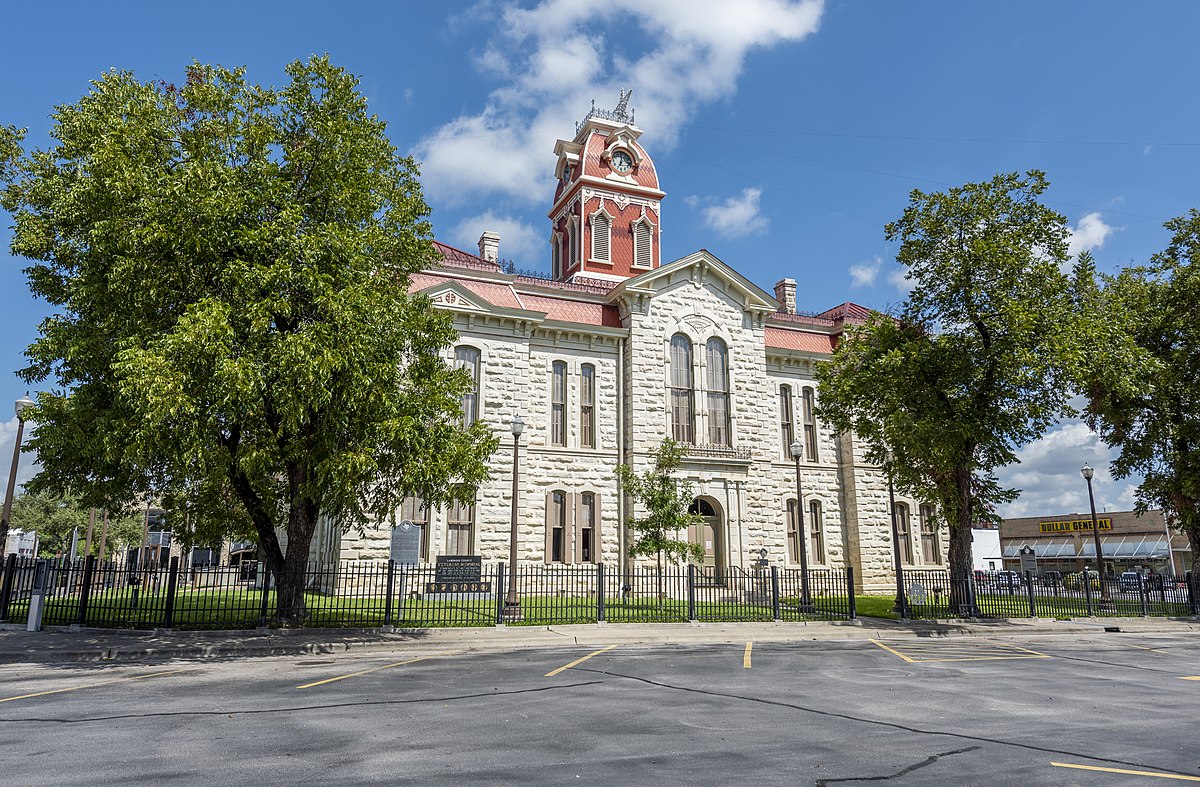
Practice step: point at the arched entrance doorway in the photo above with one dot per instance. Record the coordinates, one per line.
(710, 535)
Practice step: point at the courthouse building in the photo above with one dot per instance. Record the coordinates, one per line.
(619, 349)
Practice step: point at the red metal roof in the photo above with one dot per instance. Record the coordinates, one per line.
(802, 341)
(463, 259)
(574, 311)
(847, 312)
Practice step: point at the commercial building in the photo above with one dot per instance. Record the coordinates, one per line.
(1128, 542)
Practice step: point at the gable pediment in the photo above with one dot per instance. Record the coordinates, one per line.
(702, 269)
(452, 295)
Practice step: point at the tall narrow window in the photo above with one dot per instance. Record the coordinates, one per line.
(930, 554)
(587, 406)
(601, 236)
(786, 424)
(717, 385)
(643, 244)
(558, 404)
(793, 532)
(460, 529)
(810, 427)
(556, 528)
(585, 541)
(573, 243)
(904, 533)
(681, 388)
(468, 358)
(413, 509)
(556, 242)
(816, 529)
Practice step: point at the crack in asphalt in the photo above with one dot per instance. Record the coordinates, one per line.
(878, 722)
(295, 708)
(914, 767)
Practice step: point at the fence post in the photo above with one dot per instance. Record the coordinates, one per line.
(391, 588)
(1142, 594)
(266, 585)
(1087, 591)
(691, 591)
(172, 581)
(1189, 580)
(775, 592)
(501, 591)
(1029, 587)
(600, 577)
(10, 570)
(85, 592)
(850, 592)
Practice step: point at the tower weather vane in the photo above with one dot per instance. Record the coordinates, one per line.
(623, 104)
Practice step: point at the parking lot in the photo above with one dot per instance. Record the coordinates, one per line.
(1089, 710)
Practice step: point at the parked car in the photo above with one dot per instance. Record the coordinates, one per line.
(1129, 582)
(1052, 579)
(1075, 581)
(1008, 579)
(1160, 582)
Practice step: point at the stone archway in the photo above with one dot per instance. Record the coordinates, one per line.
(711, 535)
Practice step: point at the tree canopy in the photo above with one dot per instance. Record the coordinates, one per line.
(979, 359)
(1142, 385)
(666, 501)
(229, 264)
(55, 519)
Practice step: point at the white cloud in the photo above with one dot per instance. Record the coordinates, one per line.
(737, 216)
(899, 279)
(28, 466)
(555, 57)
(1049, 478)
(1089, 233)
(518, 241)
(863, 274)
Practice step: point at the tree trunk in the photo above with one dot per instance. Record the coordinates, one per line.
(960, 559)
(302, 523)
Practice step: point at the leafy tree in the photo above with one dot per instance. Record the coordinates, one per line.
(55, 518)
(230, 268)
(976, 362)
(1142, 384)
(666, 502)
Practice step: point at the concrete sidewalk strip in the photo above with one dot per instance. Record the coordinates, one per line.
(65, 644)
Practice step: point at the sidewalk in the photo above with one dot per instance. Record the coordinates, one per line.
(67, 645)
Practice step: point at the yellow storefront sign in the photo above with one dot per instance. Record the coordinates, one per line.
(1074, 525)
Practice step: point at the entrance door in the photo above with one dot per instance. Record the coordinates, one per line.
(710, 535)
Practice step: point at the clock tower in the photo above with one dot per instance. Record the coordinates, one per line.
(605, 220)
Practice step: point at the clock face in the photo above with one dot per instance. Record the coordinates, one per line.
(622, 161)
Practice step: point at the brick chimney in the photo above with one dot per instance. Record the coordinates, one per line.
(785, 293)
(489, 246)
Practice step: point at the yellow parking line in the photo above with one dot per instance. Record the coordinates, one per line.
(88, 686)
(890, 650)
(577, 662)
(376, 669)
(1176, 776)
(1143, 647)
(746, 656)
(1190, 677)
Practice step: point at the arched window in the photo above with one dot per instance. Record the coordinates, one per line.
(468, 358)
(681, 389)
(810, 426)
(556, 527)
(717, 390)
(572, 243)
(816, 529)
(904, 532)
(586, 542)
(786, 420)
(643, 243)
(556, 242)
(558, 404)
(930, 553)
(601, 236)
(587, 406)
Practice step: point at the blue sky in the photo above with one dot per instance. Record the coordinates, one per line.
(786, 134)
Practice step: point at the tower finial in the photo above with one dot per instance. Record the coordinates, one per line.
(623, 104)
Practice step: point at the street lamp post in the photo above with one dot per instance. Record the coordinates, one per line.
(1105, 598)
(802, 536)
(512, 604)
(901, 605)
(21, 405)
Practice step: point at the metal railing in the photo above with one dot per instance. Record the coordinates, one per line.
(150, 595)
(933, 595)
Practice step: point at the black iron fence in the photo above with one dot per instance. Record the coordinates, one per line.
(112, 594)
(1007, 594)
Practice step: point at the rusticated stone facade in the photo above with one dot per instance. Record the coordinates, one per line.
(593, 361)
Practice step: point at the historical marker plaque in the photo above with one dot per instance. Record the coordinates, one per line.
(458, 574)
(406, 543)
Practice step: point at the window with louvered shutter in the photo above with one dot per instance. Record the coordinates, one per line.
(642, 245)
(558, 404)
(601, 237)
(816, 527)
(810, 427)
(786, 429)
(587, 406)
